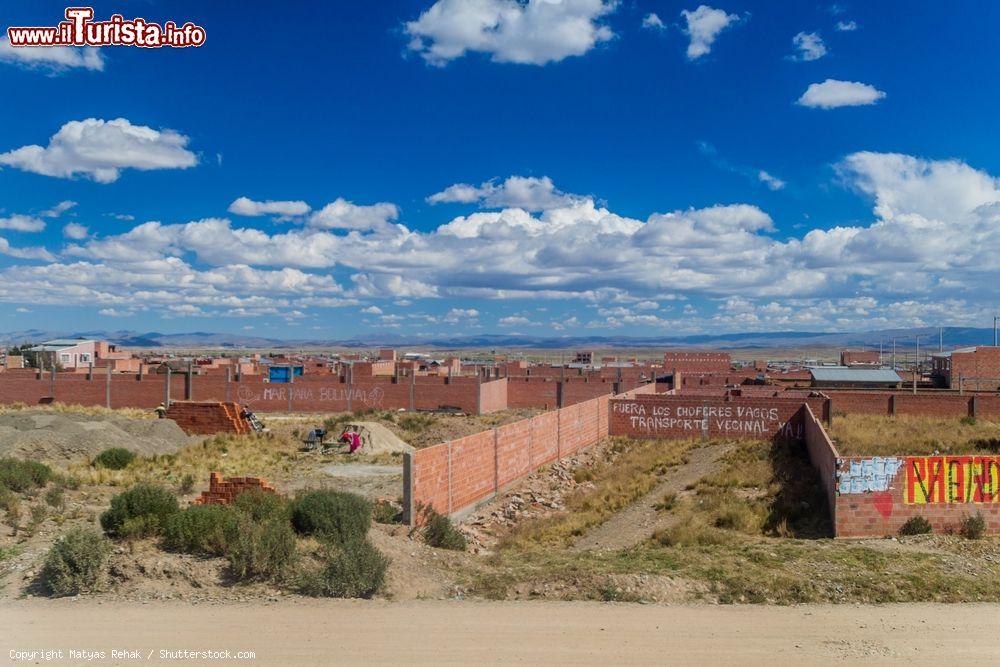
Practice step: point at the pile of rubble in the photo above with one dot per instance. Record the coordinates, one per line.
(542, 493)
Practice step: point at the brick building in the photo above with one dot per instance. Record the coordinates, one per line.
(973, 368)
(697, 362)
(860, 358)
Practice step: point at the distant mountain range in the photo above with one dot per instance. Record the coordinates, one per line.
(952, 336)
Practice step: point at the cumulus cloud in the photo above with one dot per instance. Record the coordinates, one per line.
(932, 239)
(832, 94)
(22, 223)
(846, 26)
(58, 209)
(525, 192)
(810, 46)
(653, 21)
(342, 214)
(534, 32)
(704, 25)
(100, 149)
(75, 231)
(285, 209)
(372, 310)
(53, 59)
(772, 182)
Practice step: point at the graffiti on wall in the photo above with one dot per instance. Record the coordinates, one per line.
(866, 475)
(371, 398)
(744, 420)
(952, 479)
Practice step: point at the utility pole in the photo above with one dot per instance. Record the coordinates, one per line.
(893, 354)
(880, 351)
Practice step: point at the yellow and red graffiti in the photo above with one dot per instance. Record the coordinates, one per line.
(952, 479)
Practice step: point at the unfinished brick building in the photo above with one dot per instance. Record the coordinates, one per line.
(971, 368)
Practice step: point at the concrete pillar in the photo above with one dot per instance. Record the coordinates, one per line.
(142, 366)
(892, 405)
(229, 379)
(166, 389)
(450, 494)
(291, 382)
(496, 462)
(90, 371)
(349, 371)
(413, 386)
(52, 383)
(408, 509)
(974, 406)
(189, 383)
(479, 392)
(107, 388)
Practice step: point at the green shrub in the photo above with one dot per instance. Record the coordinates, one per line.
(332, 515)
(186, 485)
(201, 529)
(115, 458)
(385, 512)
(352, 570)
(968, 421)
(917, 525)
(141, 511)
(75, 562)
(260, 551)
(56, 497)
(440, 532)
(21, 476)
(972, 527)
(261, 505)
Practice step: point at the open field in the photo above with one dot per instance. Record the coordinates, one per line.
(874, 435)
(343, 631)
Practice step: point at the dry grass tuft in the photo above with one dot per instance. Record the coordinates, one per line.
(132, 413)
(873, 435)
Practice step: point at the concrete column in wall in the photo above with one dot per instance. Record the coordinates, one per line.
(291, 382)
(892, 405)
(479, 393)
(107, 388)
(413, 386)
(974, 407)
(559, 433)
(496, 462)
(52, 383)
(449, 478)
(559, 395)
(189, 383)
(141, 366)
(90, 371)
(166, 389)
(408, 513)
(229, 379)
(349, 372)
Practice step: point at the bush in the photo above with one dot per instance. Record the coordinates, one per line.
(385, 512)
(917, 525)
(116, 458)
(440, 532)
(56, 497)
(21, 476)
(260, 551)
(352, 570)
(141, 511)
(332, 515)
(972, 527)
(75, 562)
(201, 529)
(261, 505)
(186, 485)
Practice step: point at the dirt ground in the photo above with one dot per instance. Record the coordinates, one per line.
(311, 632)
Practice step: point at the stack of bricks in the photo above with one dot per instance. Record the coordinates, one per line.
(208, 417)
(224, 492)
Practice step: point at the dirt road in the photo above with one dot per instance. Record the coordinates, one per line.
(322, 632)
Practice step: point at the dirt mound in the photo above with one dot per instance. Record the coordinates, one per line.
(377, 439)
(61, 437)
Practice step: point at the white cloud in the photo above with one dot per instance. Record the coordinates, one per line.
(100, 149)
(342, 214)
(22, 310)
(22, 223)
(810, 46)
(115, 312)
(772, 182)
(37, 253)
(653, 21)
(52, 58)
(525, 192)
(456, 315)
(514, 321)
(249, 207)
(846, 26)
(832, 94)
(372, 310)
(703, 27)
(75, 231)
(58, 209)
(534, 32)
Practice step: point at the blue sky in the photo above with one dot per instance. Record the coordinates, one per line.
(484, 166)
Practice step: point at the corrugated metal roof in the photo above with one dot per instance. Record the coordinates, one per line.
(845, 374)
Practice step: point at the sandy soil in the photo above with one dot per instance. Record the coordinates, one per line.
(326, 632)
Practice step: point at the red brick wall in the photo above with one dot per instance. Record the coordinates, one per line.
(684, 417)
(455, 476)
(823, 455)
(493, 396)
(954, 496)
(983, 363)
(208, 417)
(863, 357)
(697, 362)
